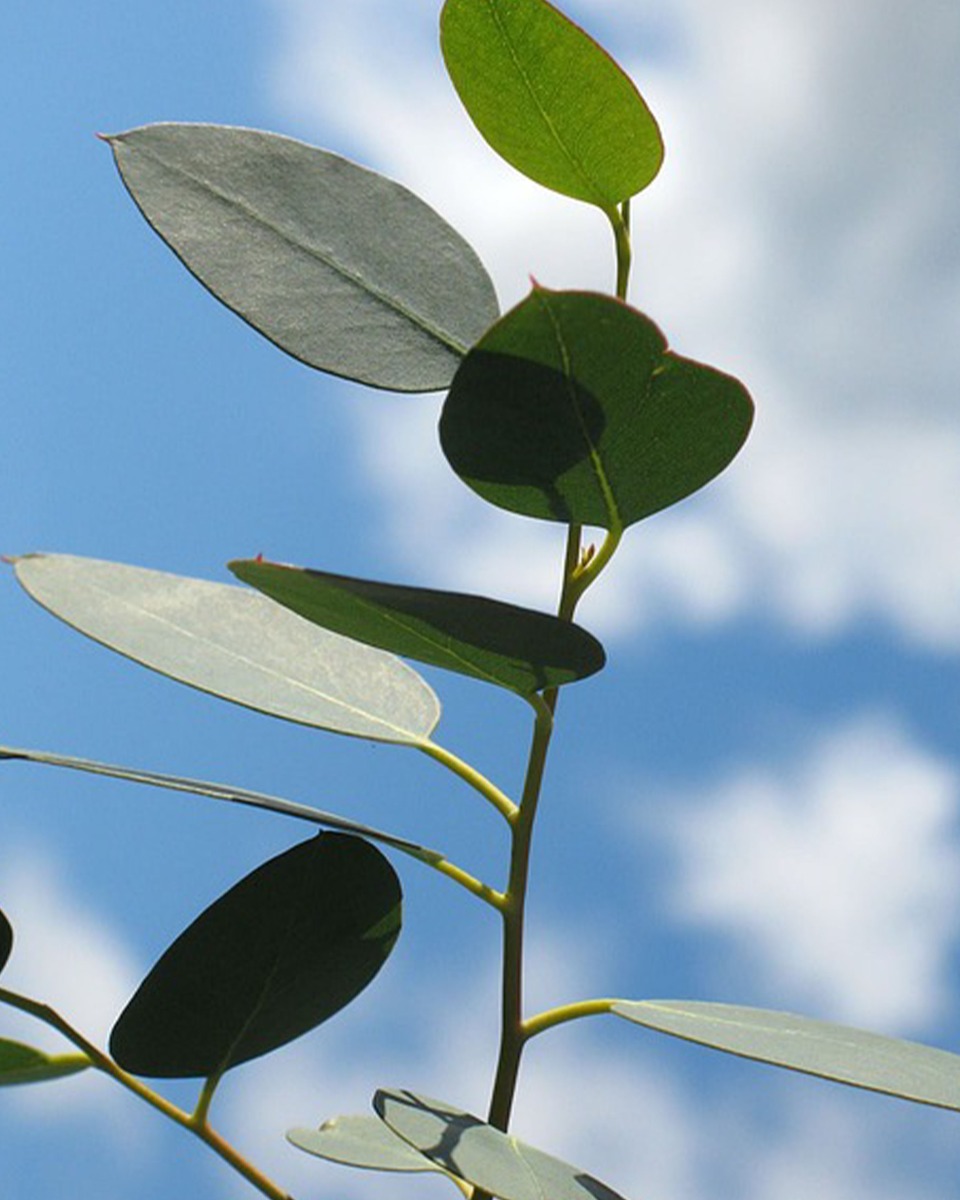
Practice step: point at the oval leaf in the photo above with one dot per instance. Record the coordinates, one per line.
(572, 409)
(236, 645)
(283, 950)
(513, 647)
(908, 1070)
(6, 939)
(360, 1142)
(24, 1064)
(345, 270)
(481, 1155)
(549, 100)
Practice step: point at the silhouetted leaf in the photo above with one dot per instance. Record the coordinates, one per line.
(549, 100)
(513, 647)
(286, 948)
(237, 645)
(23, 1064)
(345, 270)
(476, 1152)
(6, 939)
(572, 409)
(360, 1142)
(908, 1070)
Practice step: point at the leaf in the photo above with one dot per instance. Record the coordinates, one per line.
(572, 409)
(549, 100)
(24, 1064)
(219, 791)
(6, 939)
(499, 1164)
(345, 270)
(279, 953)
(908, 1070)
(360, 1142)
(236, 645)
(513, 647)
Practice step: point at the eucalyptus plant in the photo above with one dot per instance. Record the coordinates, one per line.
(570, 408)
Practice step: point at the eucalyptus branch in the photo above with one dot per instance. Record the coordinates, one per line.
(470, 775)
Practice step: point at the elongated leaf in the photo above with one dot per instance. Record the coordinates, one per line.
(908, 1070)
(24, 1064)
(276, 955)
(572, 409)
(345, 270)
(481, 1155)
(549, 100)
(234, 644)
(218, 791)
(360, 1142)
(6, 939)
(486, 639)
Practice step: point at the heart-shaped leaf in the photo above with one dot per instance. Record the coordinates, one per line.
(549, 100)
(6, 939)
(23, 1064)
(280, 952)
(360, 1142)
(237, 645)
(513, 647)
(499, 1164)
(572, 409)
(908, 1070)
(345, 270)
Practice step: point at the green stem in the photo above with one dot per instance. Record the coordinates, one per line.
(563, 1013)
(478, 781)
(190, 1122)
(620, 220)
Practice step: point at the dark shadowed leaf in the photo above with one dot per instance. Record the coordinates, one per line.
(549, 100)
(513, 647)
(283, 950)
(345, 270)
(360, 1142)
(23, 1064)
(572, 409)
(907, 1070)
(481, 1155)
(237, 645)
(6, 940)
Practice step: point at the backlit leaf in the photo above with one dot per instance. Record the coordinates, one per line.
(24, 1064)
(572, 409)
(908, 1070)
(6, 939)
(280, 952)
(237, 645)
(549, 100)
(358, 1141)
(476, 1152)
(514, 647)
(345, 270)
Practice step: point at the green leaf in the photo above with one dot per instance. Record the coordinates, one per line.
(549, 100)
(218, 791)
(237, 645)
(908, 1070)
(473, 1151)
(572, 409)
(360, 1142)
(345, 270)
(280, 952)
(24, 1064)
(513, 647)
(6, 939)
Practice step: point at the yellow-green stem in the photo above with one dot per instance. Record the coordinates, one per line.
(563, 1013)
(479, 782)
(49, 1016)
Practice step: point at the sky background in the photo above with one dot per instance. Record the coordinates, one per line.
(757, 801)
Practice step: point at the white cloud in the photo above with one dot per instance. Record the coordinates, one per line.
(802, 234)
(836, 878)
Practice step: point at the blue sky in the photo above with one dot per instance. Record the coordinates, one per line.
(756, 801)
